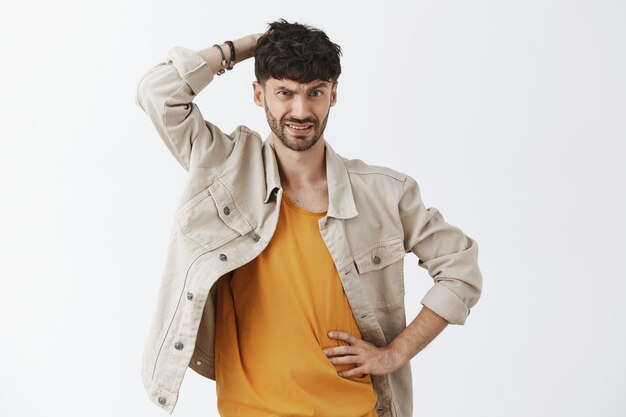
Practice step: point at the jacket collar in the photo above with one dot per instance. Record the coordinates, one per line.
(340, 199)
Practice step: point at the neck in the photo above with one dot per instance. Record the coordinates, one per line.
(300, 169)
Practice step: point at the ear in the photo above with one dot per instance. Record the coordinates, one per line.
(333, 94)
(259, 93)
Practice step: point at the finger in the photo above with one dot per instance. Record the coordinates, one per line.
(342, 336)
(345, 359)
(352, 372)
(340, 350)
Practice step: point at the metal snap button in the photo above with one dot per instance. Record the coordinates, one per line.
(178, 345)
(223, 257)
(198, 363)
(189, 296)
(376, 260)
(161, 400)
(226, 211)
(255, 237)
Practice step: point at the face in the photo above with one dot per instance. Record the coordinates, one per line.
(297, 113)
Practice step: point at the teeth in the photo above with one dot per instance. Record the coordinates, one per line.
(299, 127)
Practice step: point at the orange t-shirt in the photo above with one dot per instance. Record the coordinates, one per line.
(272, 321)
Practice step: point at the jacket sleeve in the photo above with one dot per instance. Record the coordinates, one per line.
(449, 256)
(165, 94)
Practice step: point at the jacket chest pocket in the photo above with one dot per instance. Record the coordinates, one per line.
(381, 269)
(211, 218)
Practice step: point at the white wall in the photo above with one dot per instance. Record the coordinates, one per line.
(511, 116)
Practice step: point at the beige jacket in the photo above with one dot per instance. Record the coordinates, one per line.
(227, 215)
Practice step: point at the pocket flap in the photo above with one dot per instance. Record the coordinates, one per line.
(228, 210)
(379, 255)
(211, 218)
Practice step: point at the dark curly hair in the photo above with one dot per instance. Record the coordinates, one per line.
(296, 52)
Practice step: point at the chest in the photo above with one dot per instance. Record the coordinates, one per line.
(311, 199)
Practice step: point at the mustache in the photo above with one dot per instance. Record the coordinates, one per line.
(301, 121)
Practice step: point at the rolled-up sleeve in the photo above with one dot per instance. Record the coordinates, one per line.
(166, 92)
(449, 256)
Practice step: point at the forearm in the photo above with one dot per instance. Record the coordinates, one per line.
(417, 335)
(244, 49)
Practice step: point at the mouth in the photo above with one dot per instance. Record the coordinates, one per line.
(300, 128)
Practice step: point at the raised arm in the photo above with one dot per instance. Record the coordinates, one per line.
(166, 91)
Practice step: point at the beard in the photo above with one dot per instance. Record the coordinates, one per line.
(299, 143)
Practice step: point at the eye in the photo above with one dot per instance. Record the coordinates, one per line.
(316, 93)
(282, 93)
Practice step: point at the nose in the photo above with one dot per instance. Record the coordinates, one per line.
(299, 108)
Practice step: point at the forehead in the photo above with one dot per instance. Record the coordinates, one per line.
(274, 83)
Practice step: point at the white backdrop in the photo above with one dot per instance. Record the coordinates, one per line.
(510, 115)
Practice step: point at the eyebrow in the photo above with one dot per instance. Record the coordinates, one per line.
(315, 87)
(319, 85)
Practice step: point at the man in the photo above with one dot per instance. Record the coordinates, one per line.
(284, 281)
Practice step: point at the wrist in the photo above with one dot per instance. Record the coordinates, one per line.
(244, 47)
(399, 356)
